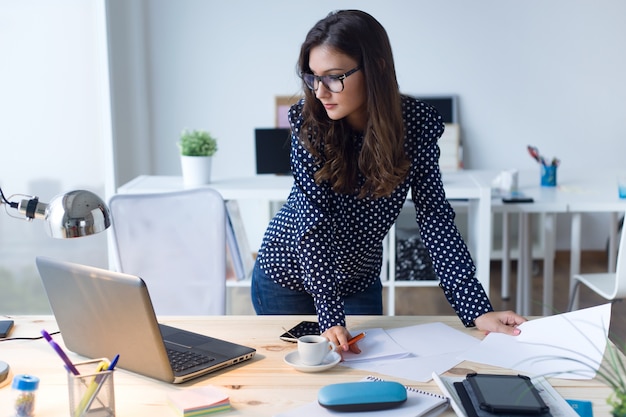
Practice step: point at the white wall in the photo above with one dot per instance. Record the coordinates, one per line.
(548, 73)
(51, 102)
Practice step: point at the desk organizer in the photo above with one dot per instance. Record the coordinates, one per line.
(92, 391)
(621, 185)
(548, 175)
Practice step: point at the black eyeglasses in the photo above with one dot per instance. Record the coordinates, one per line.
(334, 83)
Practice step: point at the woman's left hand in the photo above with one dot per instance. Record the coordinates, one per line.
(500, 322)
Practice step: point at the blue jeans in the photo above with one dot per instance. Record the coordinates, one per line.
(270, 298)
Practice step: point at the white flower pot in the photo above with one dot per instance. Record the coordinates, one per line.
(196, 170)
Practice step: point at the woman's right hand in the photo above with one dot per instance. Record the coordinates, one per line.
(339, 335)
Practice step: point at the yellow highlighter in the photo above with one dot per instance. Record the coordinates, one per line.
(91, 390)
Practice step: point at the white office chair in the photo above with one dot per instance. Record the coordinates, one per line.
(176, 242)
(610, 285)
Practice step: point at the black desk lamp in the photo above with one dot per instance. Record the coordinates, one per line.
(73, 214)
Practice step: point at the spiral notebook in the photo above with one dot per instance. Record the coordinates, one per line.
(418, 404)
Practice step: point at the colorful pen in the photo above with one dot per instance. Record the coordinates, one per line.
(534, 152)
(356, 338)
(68, 363)
(99, 382)
(114, 362)
(90, 394)
(110, 367)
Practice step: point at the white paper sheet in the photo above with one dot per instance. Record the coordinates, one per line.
(432, 339)
(376, 345)
(569, 345)
(414, 368)
(429, 347)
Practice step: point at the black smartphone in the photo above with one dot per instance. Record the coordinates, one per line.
(515, 200)
(507, 394)
(516, 197)
(301, 329)
(5, 328)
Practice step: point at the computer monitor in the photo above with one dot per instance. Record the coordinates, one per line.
(447, 106)
(273, 146)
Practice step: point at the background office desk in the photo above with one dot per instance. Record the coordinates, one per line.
(547, 203)
(460, 185)
(575, 194)
(261, 387)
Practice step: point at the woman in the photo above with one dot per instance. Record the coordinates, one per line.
(357, 147)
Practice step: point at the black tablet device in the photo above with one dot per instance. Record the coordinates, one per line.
(507, 394)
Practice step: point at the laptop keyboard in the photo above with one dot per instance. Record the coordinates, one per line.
(182, 361)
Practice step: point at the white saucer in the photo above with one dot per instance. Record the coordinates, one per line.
(293, 359)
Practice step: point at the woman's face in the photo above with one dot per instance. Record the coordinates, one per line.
(349, 103)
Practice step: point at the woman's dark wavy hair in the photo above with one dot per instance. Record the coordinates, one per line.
(382, 160)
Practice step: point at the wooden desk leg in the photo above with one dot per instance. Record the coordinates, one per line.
(574, 266)
(549, 230)
(506, 257)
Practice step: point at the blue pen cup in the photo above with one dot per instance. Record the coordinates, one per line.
(548, 175)
(621, 185)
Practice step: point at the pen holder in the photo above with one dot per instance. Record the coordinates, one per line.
(91, 392)
(621, 185)
(548, 175)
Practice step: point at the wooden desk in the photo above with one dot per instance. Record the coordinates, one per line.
(261, 387)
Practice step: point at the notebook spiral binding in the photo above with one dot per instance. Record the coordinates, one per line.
(419, 391)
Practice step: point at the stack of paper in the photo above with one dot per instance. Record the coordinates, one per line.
(412, 352)
(197, 402)
(568, 345)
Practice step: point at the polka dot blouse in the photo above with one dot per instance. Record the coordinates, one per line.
(330, 245)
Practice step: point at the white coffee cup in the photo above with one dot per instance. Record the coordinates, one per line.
(313, 349)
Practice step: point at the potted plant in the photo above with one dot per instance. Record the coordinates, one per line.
(197, 147)
(614, 375)
(612, 371)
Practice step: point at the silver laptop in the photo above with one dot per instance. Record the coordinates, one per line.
(102, 313)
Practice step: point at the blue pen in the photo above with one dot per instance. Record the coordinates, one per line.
(111, 366)
(68, 363)
(114, 362)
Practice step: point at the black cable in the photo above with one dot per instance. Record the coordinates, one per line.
(11, 204)
(27, 338)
